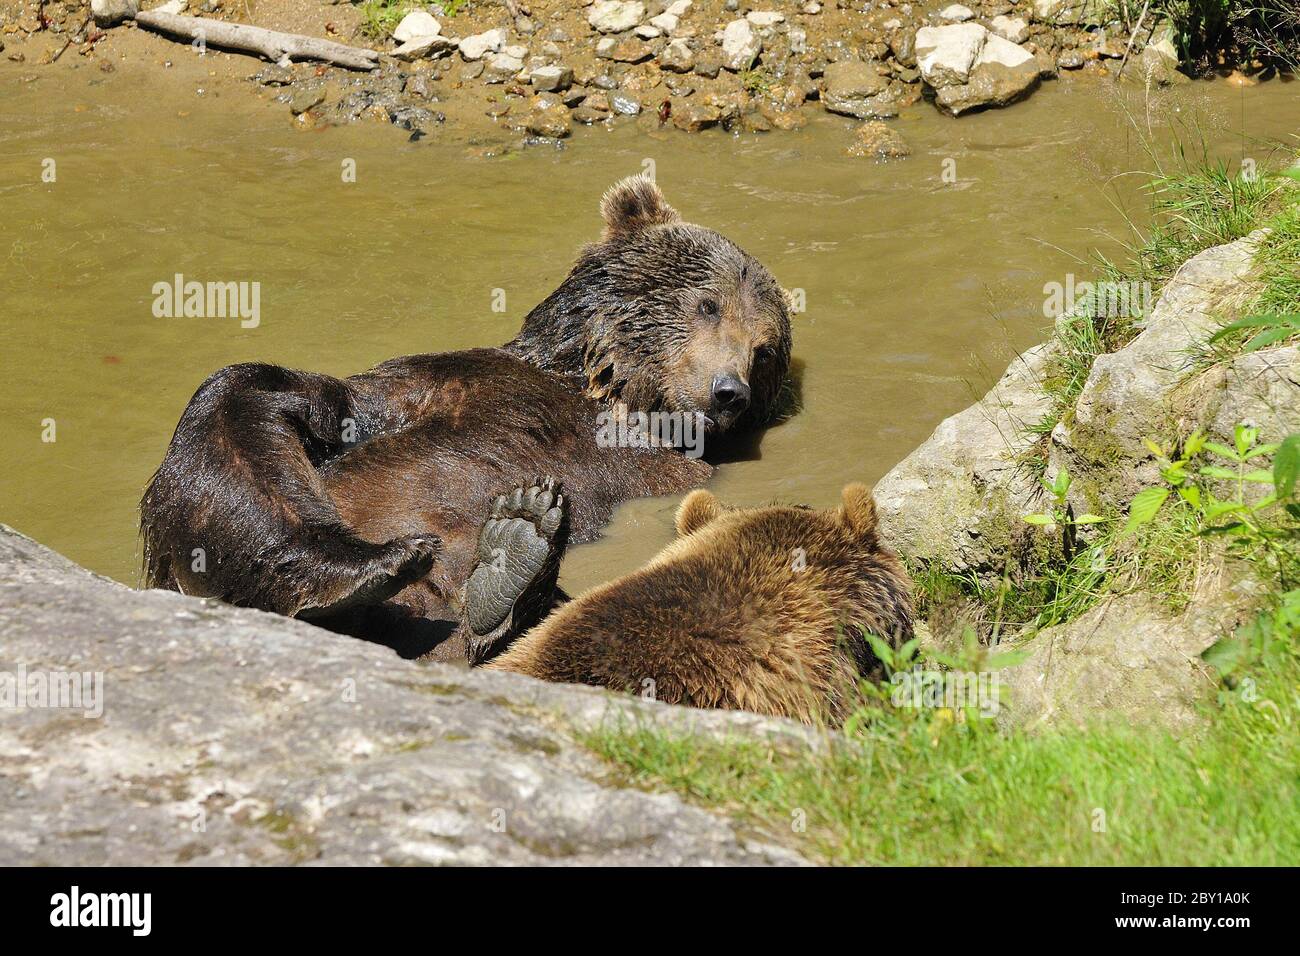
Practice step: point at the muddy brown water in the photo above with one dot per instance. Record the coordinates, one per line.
(918, 290)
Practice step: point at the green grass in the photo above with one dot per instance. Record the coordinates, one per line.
(916, 787)
(1236, 31)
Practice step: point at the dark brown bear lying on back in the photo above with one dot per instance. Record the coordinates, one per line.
(759, 609)
(357, 501)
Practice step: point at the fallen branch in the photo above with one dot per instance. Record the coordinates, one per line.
(278, 47)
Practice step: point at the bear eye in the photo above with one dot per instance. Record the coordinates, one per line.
(709, 307)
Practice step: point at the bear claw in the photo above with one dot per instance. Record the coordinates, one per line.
(518, 563)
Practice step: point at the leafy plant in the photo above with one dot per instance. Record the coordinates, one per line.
(1061, 513)
(1248, 524)
(1272, 329)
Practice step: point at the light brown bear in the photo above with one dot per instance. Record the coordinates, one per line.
(758, 609)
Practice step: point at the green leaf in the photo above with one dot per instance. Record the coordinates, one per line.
(1038, 519)
(881, 649)
(1249, 322)
(1286, 466)
(1195, 442)
(1223, 451)
(1089, 519)
(1260, 476)
(1243, 436)
(1144, 506)
(1224, 654)
(1265, 338)
(1221, 508)
(1214, 471)
(1191, 494)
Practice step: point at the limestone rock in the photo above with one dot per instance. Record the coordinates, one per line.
(875, 140)
(959, 498)
(480, 44)
(1127, 395)
(109, 12)
(740, 45)
(855, 88)
(615, 16)
(416, 24)
(229, 736)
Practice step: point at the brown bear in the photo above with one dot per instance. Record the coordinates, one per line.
(759, 609)
(356, 502)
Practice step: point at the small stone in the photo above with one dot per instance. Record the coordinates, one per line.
(421, 46)
(549, 118)
(630, 50)
(677, 57)
(1010, 28)
(416, 24)
(708, 66)
(174, 7)
(109, 12)
(765, 18)
(587, 116)
(274, 76)
(956, 13)
(552, 79)
(666, 22)
(615, 16)
(477, 46)
(854, 88)
(624, 104)
(679, 8)
(418, 86)
(740, 45)
(875, 140)
(1070, 60)
(647, 32)
(500, 67)
(304, 99)
(812, 9)
(694, 117)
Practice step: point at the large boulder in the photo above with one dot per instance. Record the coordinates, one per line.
(229, 736)
(1129, 393)
(1130, 659)
(971, 68)
(958, 499)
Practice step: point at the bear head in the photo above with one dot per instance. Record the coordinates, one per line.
(663, 315)
(836, 553)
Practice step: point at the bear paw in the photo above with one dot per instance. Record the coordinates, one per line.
(512, 585)
(373, 580)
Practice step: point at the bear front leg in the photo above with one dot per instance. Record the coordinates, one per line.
(514, 582)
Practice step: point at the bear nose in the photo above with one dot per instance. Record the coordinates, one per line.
(730, 394)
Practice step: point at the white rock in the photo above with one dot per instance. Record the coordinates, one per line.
(740, 45)
(108, 12)
(475, 47)
(1010, 28)
(647, 32)
(171, 6)
(666, 22)
(416, 24)
(999, 50)
(679, 8)
(956, 13)
(945, 55)
(518, 51)
(414, 49)
(765, 18)
(812, 9)
(615, 16)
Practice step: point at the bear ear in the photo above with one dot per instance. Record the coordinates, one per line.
(697, 509)
(858, 510)
(633, 204)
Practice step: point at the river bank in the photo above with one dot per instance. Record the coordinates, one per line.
(510, 75)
